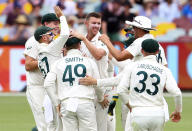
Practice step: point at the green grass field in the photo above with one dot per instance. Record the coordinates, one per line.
(16, 115)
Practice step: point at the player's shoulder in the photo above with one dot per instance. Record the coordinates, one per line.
(167, 70)
(58, 63)
(90, 61)
(131, 65)
(31, 42)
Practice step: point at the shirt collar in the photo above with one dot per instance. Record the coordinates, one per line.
(148, 36)
(150, 57)
(96, 37)
(74, 51)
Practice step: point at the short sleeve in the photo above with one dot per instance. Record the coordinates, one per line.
(135, 47)
(31, 48)
(102, 46)
(161, 59)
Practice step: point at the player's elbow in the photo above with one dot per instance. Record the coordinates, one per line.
(28, 68)
(119, 58)
(98, 57)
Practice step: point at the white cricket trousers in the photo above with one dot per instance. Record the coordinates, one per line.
(35, 96)
(147, 119)
(111, 122)
(51, 116)
(101, 116)
(124, 112)
(84, 119)
(147, 123)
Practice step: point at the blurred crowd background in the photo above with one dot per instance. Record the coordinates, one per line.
(171, 18)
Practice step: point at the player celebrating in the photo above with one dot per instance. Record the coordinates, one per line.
(146, 80)
(35, 92)
(141, 26)
(93, 48)
(49, 52)
(77, 101)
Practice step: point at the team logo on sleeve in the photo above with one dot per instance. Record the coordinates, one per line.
(28, 48)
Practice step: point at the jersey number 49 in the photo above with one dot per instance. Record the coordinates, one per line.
(69, 70)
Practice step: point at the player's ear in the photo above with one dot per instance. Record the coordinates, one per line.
(143, 52)
(44, 38)
(45, 23)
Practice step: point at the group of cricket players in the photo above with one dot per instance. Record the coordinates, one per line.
(71, 84)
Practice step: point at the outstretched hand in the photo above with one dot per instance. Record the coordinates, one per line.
(88, 80)
(58, 11)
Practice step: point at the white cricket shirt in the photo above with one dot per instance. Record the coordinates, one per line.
(34, 78)
(103, 62)
(49, 53)
(66, 73)
(146, 80)
(135, 50)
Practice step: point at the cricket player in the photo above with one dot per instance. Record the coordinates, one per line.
(35, 92)
(49, 51)
(141, 88)
(109, 82)
(141, 26)
(76, 102)
(93, 48)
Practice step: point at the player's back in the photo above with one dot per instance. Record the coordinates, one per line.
(148, 79)
(69, 69)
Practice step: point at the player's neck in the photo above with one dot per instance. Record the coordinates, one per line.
(90, 36)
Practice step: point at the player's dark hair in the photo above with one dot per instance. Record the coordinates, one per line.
(93, 14)
(73, 46)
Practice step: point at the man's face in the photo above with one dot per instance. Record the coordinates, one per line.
(136, 31)
(93, 25)
(55, 25)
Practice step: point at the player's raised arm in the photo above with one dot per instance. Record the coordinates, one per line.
(59, 42)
